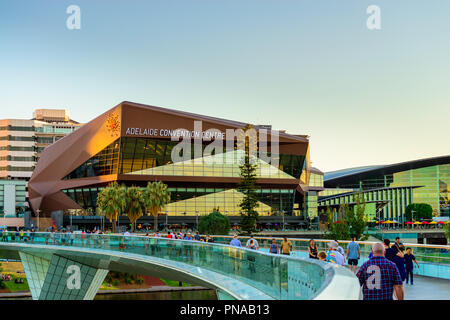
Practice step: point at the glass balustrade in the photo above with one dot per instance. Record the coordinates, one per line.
(281, 277)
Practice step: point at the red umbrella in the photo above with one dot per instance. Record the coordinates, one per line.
(425, 222)
(409, 222)
(441, 222)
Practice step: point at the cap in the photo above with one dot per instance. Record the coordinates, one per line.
(333, 244)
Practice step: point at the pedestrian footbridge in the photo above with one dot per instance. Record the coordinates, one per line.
(59, 266)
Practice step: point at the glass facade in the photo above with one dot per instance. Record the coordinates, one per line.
(139, 156)
(432, 188)
(316, 180)
(201, 201)
(104, 163)
(311, 204)
(390, 202)
(154, 157)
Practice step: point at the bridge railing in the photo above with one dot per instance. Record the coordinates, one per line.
(279, 276)
(436, 254)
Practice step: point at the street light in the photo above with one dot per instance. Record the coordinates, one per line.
(412, 214)
(166, 220)
(38, 211)
(196, 212)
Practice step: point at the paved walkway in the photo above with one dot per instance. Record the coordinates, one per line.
(427, 288)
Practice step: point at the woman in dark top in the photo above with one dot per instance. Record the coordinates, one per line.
(312, 249)
(400, 262)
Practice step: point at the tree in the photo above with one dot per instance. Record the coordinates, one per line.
(155, 197)
(349, 222)
(357, 219)
(214, 223)
(111, 201)
(337, 227)
(247, 186)
(421, 211)
(134, 204)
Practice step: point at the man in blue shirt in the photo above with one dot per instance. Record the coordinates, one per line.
(353, 254)
(235, 242)
(188, 237)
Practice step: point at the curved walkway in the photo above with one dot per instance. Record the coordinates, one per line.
(236, 273)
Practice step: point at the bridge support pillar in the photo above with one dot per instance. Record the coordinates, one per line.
(54, 277)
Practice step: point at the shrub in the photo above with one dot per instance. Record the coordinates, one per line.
(214, 223)
(129, 280)
(139, 280)
(115, 282)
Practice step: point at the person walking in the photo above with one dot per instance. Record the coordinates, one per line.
(353, 254)
(333, 255)
(379, 277)
(251, 258)
(340, 249)
(235, 241)
(391, 252)
(247, 245)
(399, 261)
(286, 246)
(312, 249)
(273, 247)
(409, 258)
(397, 244)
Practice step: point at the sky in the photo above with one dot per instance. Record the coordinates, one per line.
(365, 97)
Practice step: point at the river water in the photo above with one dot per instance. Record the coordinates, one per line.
(168, 295)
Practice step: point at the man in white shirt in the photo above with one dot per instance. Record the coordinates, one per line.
(247, 245)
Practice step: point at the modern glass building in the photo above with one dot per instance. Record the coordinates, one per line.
(134, 143)
(391, 188)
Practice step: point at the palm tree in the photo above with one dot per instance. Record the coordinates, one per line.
(111, 201)
(155, 197)
(134, 204)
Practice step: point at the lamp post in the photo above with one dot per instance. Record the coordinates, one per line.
(283, 212)
(196, 217)
(38, 211)
(166, 220)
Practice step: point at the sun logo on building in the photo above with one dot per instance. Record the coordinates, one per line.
(113, 124)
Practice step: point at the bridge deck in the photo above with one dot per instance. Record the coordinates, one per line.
(427, 288)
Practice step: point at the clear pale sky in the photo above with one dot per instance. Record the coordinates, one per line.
(310, 67)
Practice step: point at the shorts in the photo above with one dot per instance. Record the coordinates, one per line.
(352, 262)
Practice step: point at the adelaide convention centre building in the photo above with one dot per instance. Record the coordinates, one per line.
(133, 144)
